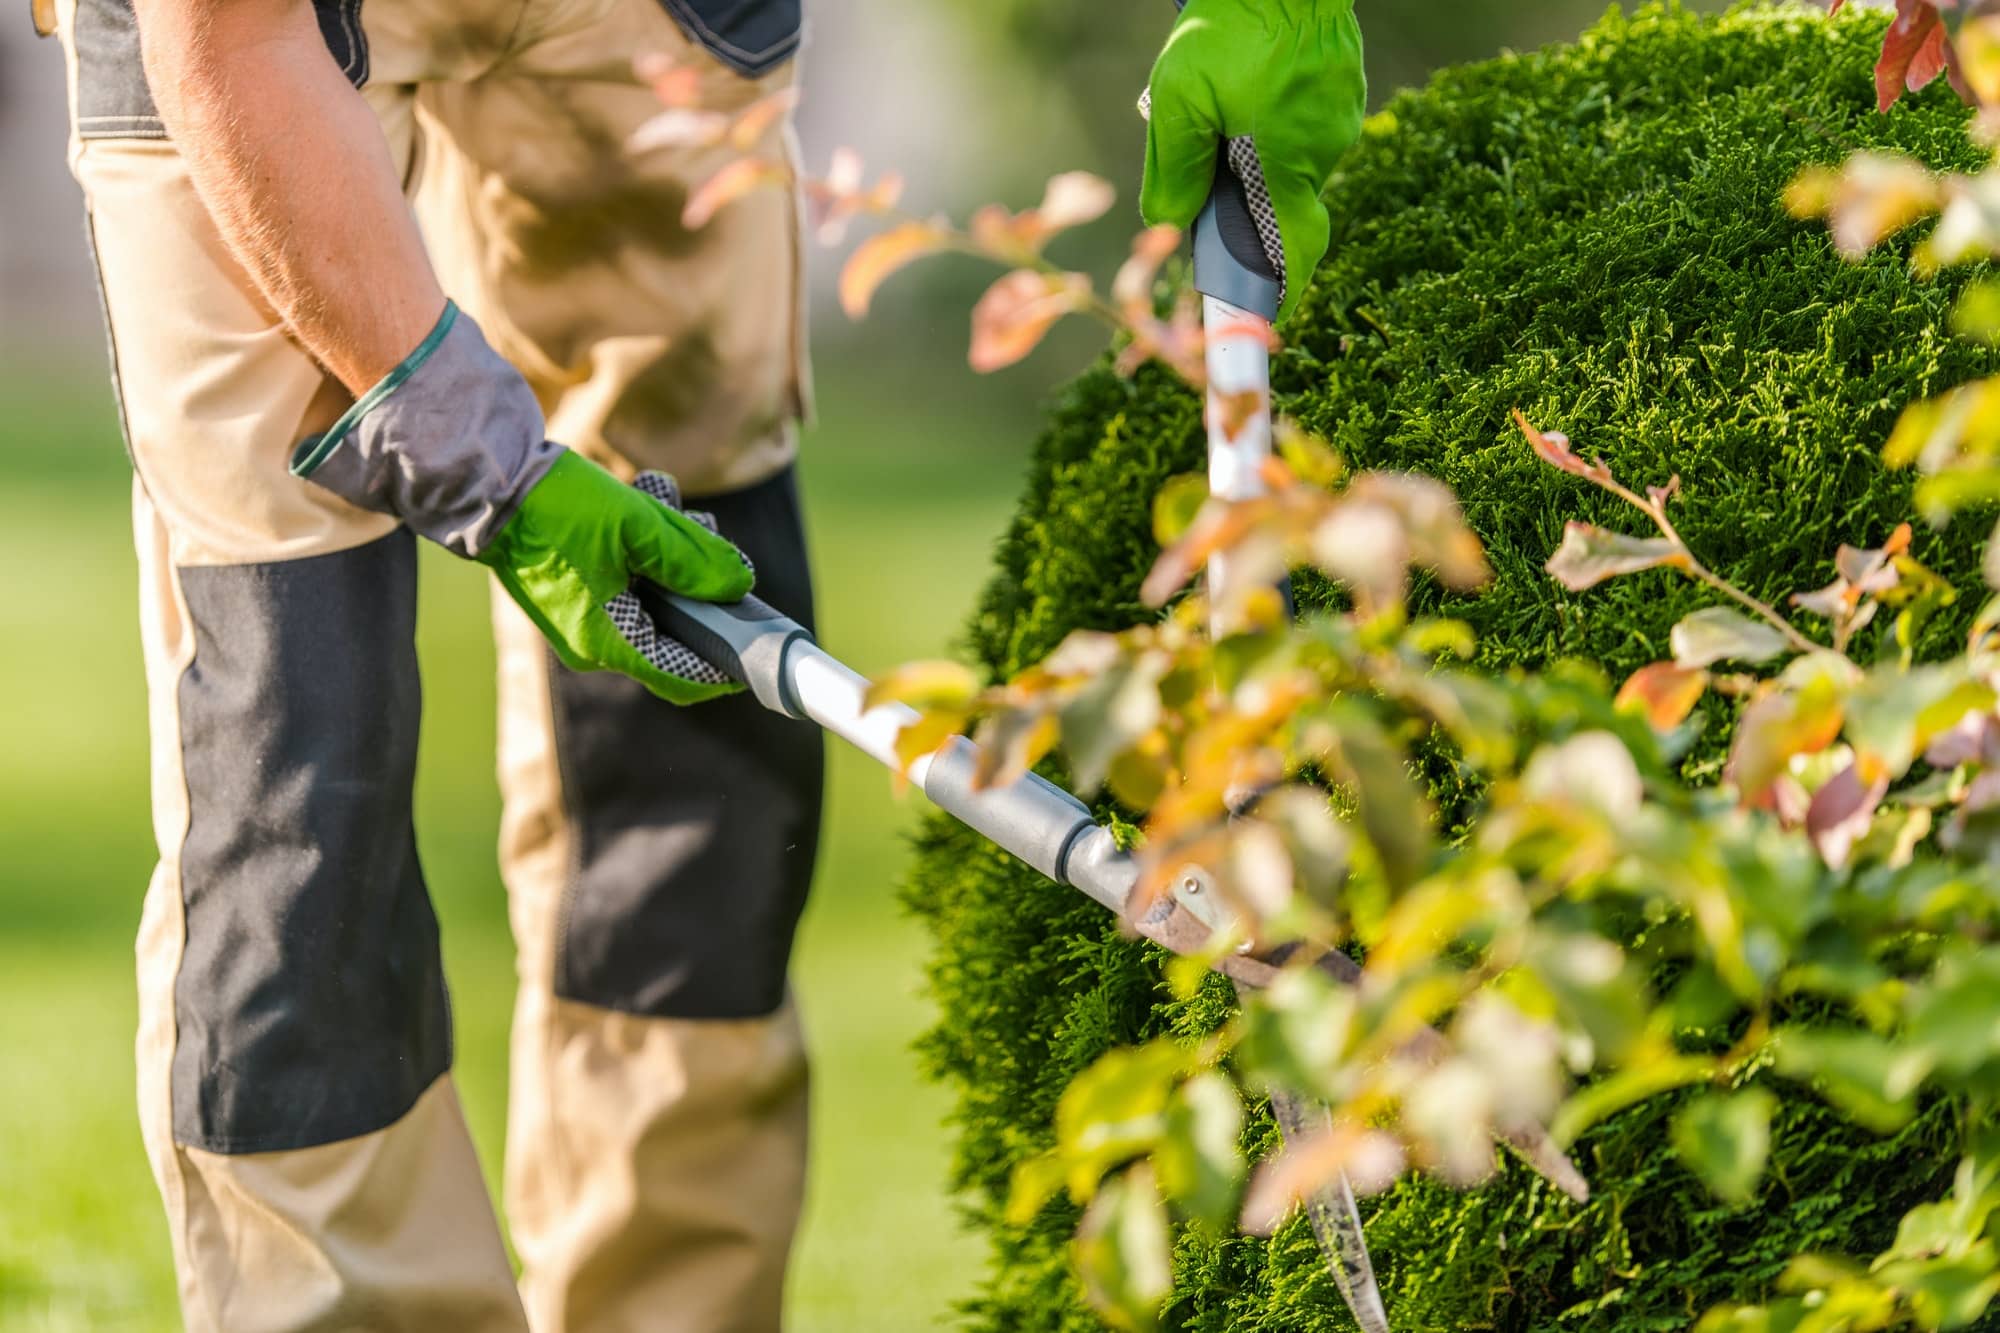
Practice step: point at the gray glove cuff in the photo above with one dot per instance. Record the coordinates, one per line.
(449, 441)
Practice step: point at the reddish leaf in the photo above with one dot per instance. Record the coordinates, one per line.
(731, 183)
(1072, 199)
(760, 116)
(1132, 289)
(1774, 730)
(1231, 412)
(1862, 574)
(1553, 448)
(1841, 813)
(1913, 54)
(1179, 341)
(1370, 1158)
(1829, 603)
(686, 125)
(674, 83)
(879, 256)
(996, 230)
(1982, 795)
(1590, 555)
(1665, 691)
(1017, 312)
(841, 195)
(1249, 327)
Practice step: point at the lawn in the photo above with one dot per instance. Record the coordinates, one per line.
(901, 528)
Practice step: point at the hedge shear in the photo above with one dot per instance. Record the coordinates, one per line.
(1038, 822)
(1235, 272)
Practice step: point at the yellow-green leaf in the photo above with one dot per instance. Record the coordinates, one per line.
(1123, 1252)
(1627, 1087)
(1199, 1159)
(1726, 1140)
(1175, 507)
(924, 685)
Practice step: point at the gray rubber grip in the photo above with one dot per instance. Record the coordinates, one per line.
(1230, 263)
(746, 640)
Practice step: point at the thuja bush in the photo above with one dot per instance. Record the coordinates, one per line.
(1592, 234)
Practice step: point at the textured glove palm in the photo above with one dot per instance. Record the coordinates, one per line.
(1285, 74)
(568, 558)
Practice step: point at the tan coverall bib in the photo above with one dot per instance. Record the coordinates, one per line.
(294, 1043)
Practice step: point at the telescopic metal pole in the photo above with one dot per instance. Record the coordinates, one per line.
(1241, 289)
(789, 673)
(1239, 361)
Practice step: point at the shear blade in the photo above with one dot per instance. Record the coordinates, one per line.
(1336, 1220)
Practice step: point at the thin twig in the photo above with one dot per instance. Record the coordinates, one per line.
(1657, 511)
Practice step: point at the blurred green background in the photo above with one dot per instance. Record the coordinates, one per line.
(909, 477)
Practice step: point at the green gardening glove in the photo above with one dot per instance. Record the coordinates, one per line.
(568, 558)
(1282, 80)
(452, 443)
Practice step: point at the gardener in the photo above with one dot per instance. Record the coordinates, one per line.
(301, 402)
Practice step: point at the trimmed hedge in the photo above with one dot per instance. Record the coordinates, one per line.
(1592, 233)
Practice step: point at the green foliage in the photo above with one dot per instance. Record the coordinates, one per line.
(1592, 234)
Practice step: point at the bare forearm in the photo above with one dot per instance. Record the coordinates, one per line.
(291, 164)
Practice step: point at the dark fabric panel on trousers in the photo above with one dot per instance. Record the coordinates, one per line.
(112, 99)
(749, 36)
(695, 828)
(310, 1001)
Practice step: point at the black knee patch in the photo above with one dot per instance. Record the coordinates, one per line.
(695, 829)
(750, 36)
(112, 99)
(310, 1003)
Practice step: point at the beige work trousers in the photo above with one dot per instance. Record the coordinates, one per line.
(294, 1039)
